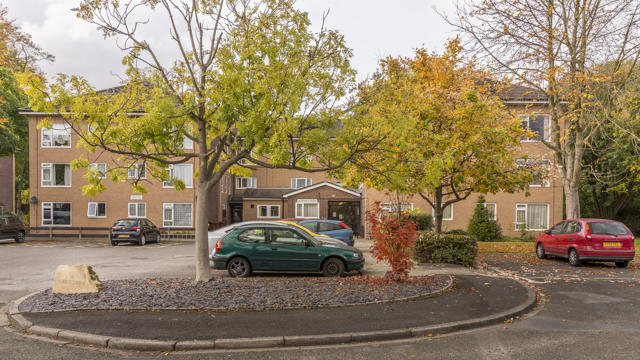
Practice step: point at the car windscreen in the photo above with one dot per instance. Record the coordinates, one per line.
(608, 228)
(126, 223)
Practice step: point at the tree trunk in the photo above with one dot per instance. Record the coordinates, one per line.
(437, 210)
(203, 269)
(572, 199)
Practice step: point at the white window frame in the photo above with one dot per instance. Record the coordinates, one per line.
(393, 206)
(495, 208)
(525, 207)
(50, 167)
(94, 215)
(269, 207)
(547, 126)
(171, 205)
(433, 213)
(294, 182)
(304, 203)
(135, 168)
(168, 185)
(187, 144)
(96, 166)
(136, 215)
(51, 132)
(50, 205)
(252, 182)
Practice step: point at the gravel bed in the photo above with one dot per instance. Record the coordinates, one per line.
(226, 294)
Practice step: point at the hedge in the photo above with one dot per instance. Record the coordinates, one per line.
(445, 248)
(423, 221)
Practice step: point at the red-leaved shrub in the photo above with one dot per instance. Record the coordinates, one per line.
(394, 237)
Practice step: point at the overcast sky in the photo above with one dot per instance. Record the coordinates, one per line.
(372, 28)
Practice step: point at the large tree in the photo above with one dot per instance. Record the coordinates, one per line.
(250, 79)
(552, 46)
(450, 135)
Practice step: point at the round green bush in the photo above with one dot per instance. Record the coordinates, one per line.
(445, 248)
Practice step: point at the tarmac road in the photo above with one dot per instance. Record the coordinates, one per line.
(582, 319)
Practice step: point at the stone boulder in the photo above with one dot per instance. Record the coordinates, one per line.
(76, 279)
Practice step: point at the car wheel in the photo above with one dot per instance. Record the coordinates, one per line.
(239, 267)
(114, 243)
(574, 259)
(333, 267)
(622, 264)
(157, 238)
(143, 240)
(20, 237)
(540, 251)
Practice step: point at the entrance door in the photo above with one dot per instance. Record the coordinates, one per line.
(236, 213)
(346, 211)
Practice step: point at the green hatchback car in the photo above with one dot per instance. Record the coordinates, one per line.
(281, 247)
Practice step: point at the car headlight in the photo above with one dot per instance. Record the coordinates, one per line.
(355, 255)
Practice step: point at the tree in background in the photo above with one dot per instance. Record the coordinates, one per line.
(449, 133)
(18, 55)
(249, 80)
(552, 46)
(482, 226)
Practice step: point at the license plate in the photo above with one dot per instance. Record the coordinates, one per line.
(611, 244)
(126, 236)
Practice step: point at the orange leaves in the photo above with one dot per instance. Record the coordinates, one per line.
(506, 247)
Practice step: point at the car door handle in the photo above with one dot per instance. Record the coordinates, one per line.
(556, 238)
(570, 238)
(276, 249)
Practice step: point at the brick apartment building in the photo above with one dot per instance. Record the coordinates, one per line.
(57, 199)
(7, 184)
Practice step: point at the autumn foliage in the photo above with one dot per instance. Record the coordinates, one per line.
(394, 236)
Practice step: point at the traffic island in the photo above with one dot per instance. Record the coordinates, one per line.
(474, 301)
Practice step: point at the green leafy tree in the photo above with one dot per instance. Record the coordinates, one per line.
(482, 226)
(449, 133)
(250, 80)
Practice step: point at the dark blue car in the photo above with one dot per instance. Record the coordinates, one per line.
(332, 228)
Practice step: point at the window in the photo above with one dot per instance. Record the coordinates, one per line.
(246, 183)
(307, 209)
(532, 216)
(56, 174)
(286, 237)
(56, 213)
(323, 226)
(539, 124)
(137, 171)
(101, 168)
(97, 209)
(182, 172)
(225, 184)
(447, 212)
(187, 144)
(394, 206)
(58, 136)
(538, 167)
(572, 227)
(268, 211)
(299, 183)
(253, 236)
(137, 210)
(492, 208)
(557, 229)
(177, 215)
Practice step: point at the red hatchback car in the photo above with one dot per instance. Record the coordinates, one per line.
(588, 240)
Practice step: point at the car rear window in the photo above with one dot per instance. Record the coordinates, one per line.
(329, 227)
(126, 223)
(608, 228)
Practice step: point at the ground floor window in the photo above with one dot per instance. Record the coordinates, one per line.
(56, 213)
(268, 211)
(177, 215)
(534, 217)
(97, 209)
(137, 210)
(492, 208)
(308, 209)
(447, 212)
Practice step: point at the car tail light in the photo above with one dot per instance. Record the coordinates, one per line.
(587, 231)
(113, 228)
(218, 245)
(344, 226)
(136, 228)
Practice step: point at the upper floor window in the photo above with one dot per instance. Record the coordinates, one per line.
(58, 136)
(182, 172)
(137, 171)
(539, 124)
(538, 167)
(393, 207)
(187, 144)
(101, 168)
(246, 183)
(299, 183)
(56, 174)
